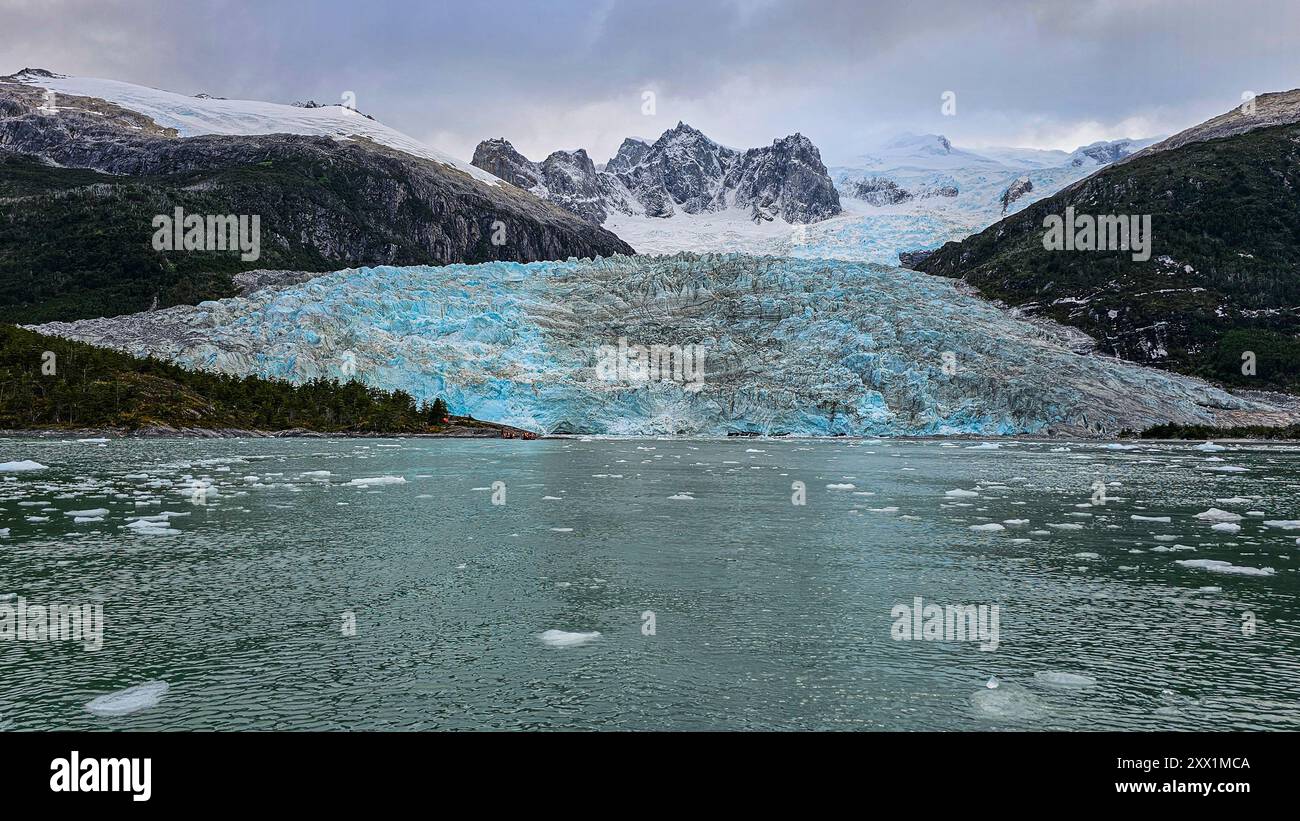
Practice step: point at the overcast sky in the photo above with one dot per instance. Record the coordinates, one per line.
(552, 74)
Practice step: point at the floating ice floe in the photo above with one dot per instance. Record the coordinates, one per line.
(374, 481)
(958, 493)
(1015, 522)
(840, 486)
(984, 446)
(989, 528)
(563, 638)
(21, 467)
(99, 511)
(1086, 556)
(1135, 517)
(1283, 524)
(1065, 526)
(682, 497)
(1226, 527)
(1226, 468)
(1216, 566)
(131, 700)
(1210, 447)
(1067, 680)
(1216, 515)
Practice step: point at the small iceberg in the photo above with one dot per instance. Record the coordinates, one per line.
(131, 700)
(1072, 681)
(374, 481)
(1216, 566)
(21, 467)
(1216, 515)
(563, 638)
(958, 493)
(991, 527)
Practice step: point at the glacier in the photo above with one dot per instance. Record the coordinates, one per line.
(789, 346)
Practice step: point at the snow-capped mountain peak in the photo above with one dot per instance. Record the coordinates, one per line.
(195, 116)
(683, 171)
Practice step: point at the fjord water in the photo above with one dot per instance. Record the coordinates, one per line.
(767, 614)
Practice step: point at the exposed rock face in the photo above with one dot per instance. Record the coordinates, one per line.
(1015, 191)
(1265, 110)
(911, 259)
(880, 191)
(351, 201)
(1103, 153)
(786, 179)
(682, 171)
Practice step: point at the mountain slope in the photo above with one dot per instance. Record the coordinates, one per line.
(1223, 278)
(86, 180)
(799, 346)
(97, 388)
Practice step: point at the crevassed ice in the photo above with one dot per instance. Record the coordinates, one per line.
(800, 346)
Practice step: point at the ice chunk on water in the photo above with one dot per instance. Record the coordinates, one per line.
(1216, 566)
(1226, 527)
(1135, 517)
(1283, 524)
(99, 511)
(959, 493)
(1210, 447)
(682, 497)
(374, 481)
(1216, 515)
(21, 467)
(840, 486)
(991, 527)
(563, 638)
(1067, 680)
(131, 700)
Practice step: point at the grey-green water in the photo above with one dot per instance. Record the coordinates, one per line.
(767, 614)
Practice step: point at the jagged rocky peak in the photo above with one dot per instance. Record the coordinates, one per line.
(629, 155)
(499, 158)
(786, 179)
(1016, 190)
(681, 171)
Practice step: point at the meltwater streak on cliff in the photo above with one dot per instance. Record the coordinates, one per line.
(792, 346)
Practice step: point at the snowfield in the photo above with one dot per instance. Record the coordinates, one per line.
(195, 116)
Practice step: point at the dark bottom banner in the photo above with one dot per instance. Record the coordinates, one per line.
(138, 772)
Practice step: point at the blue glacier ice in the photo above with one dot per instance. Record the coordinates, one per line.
(800, 346)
